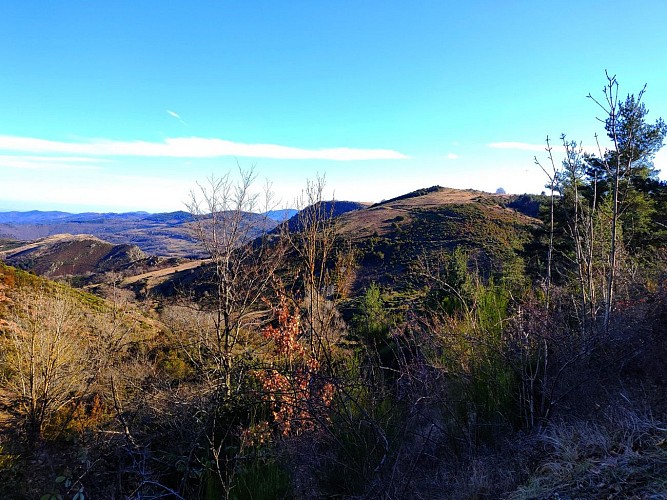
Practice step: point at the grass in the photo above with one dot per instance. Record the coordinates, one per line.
(622, 456)
(259, 479)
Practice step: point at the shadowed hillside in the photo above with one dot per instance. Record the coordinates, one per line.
(83, 259)
(67, 255)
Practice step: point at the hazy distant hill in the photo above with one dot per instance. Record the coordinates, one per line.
(39, 217)
(326, 209)
(32, 217)
(165, 234)
(281, 215)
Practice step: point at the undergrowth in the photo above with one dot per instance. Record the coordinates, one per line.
(621, 455)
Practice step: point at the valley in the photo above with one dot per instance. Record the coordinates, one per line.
(161, 234)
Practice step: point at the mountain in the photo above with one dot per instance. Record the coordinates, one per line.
(39, 217)
(163, 234)
(394, 238)
(281, 215)
(31, 217)
(323, 209)
(389, 238)
(175, 218)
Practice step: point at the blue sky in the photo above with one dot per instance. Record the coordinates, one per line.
(125, 105)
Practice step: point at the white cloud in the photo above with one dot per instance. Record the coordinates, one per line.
(97, 191)
(540, 148)
(49, 162)
(660, 162)
(521, 146)
(177, 116)
(190, 147)
(452, 156)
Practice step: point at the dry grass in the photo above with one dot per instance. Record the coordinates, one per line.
(359, 224)
(624, 455)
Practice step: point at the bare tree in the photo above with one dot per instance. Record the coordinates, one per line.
(230, 221)
(552, 175)
(581, 217)
(614, 170)
(47, 358)
(325, 264)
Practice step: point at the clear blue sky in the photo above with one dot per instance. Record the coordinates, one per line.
(125, 105)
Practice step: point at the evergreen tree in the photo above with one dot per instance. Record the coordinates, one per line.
(625, 173)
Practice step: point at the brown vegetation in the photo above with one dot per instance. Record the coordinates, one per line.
(487, 360)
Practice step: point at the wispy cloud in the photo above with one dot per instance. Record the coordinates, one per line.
(177, 116)
(660, 162)
(541, 148)
(49, 162)
(190, 147)
(521, 146)
(452, 156)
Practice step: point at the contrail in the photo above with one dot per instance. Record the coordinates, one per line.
(177, 116)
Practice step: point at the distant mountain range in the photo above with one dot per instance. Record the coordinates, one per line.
(164, 234)
(178, 217)
(39, 217)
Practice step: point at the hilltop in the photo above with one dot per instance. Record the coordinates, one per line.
(406, 208)
(72, 255)
(395, 237)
